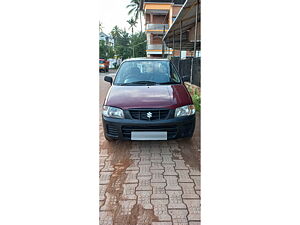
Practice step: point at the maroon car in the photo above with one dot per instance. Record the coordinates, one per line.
(147, 101)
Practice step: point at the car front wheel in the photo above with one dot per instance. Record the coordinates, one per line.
(108, 138)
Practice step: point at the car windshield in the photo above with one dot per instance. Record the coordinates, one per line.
(147, 72)
(101, 61)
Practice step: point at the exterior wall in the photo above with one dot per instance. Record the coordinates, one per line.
(189, 53)
(173, 13)
(147, 18)
(157, 6)
(170, 17)
(176, 53)
(156, 39)
(160, 19)
(175, 10)
(108, 39)
(148, 38)
(155, 33)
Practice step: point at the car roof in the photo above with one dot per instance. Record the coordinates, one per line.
(148, 59)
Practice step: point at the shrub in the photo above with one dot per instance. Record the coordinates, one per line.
(197, 101)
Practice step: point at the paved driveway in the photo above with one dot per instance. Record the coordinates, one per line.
(149, 182)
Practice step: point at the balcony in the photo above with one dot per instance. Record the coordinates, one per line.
(165, 1)
(157, 28)
(157, 49)
(157, 11)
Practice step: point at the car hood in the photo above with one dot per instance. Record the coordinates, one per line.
(157, 96)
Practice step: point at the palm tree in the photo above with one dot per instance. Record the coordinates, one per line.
(115, 32)
(132, 24)
(100, 27)
(134, 9)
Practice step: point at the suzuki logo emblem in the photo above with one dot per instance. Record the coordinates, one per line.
(149, 115)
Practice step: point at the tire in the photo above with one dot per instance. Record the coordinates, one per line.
(109, 139)
(188, 138)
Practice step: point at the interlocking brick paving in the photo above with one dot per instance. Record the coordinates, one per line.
(193, 206)
(159, 191)
(184, 176)
(161, 209)
(179, 216)
(149, 182)
(144, 199)
(189, 191)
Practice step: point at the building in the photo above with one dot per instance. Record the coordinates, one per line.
(108, 39)
(184, 35)
(159, 16)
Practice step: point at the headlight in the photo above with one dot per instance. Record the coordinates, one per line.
(113, 112)
(102, 66)
(186, 110)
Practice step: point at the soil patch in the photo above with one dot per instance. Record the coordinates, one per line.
(120, 159)
(189, 155)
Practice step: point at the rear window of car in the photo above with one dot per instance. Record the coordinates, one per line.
(155, 71)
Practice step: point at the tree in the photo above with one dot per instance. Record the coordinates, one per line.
(104, 50)
(100, 27)
(132, 24)
(122, 41)
(134, 9)
(125, 44)
(138, 43)
(116, 32)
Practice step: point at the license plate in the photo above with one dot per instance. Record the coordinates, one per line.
(149, 135)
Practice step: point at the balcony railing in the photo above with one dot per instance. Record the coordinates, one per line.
(166, 1)
(154, 47)
(157, 27)
(157, 48)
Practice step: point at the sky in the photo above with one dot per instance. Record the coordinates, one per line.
(114, 12)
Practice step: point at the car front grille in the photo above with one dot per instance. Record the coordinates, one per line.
(171, 130)
(149, 114)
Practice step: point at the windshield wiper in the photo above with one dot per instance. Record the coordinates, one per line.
(140, 82)
(170, 82)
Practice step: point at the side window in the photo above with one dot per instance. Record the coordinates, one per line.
(174, 74)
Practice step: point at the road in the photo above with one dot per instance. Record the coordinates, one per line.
(149, 182)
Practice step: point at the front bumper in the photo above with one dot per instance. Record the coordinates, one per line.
(121, 128)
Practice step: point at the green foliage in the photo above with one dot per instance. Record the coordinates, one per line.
(116, 32)
(132, 24)
(100, 27)
(197, 101)
(122, 42)
(135, 11)
(105, 51)
(134, 8)
(138, 42)
(124, 45)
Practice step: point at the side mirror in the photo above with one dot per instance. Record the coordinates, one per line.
(108, 79)
(186, 78)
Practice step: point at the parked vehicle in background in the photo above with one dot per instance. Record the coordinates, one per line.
(112, 63)
(103, 65)
(147, 101)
